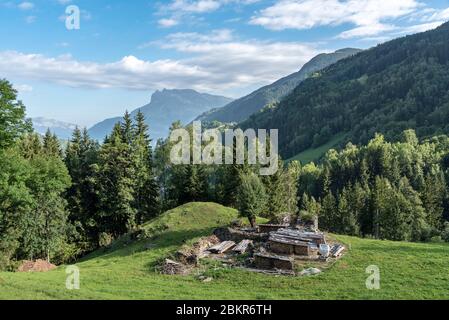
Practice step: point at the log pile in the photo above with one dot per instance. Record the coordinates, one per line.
(270, 261)
(222, 247)
(243, 246)
(337, 250)
(267, 228)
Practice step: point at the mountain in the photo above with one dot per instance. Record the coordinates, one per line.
(402, 84)
(166, 106)
(242, 108)
(62, 129)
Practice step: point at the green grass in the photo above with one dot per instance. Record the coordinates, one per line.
(127, 270)
(315, 154)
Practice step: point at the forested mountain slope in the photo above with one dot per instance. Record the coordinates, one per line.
(397, 85)
(242, 108)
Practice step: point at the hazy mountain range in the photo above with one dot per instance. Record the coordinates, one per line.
(166, 106)
(62, 129)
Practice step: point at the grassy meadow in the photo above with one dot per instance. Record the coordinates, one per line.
(128, 269)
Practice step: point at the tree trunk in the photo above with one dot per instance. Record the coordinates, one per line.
(252, 221)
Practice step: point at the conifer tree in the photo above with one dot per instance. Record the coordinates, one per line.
(146, 189)
(252, 197)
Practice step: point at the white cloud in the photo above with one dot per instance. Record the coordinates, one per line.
(167, 23)
(179, 9)
(368, 16)
(30, 19)
(198, 6)
(26, 5)
(21, 88)
(217, 63)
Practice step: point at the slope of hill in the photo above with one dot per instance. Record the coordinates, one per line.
(63, 130)
(166, 106)
(127, 269)
(242, 108)
(397, 85)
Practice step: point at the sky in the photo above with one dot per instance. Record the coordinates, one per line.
(125, 50)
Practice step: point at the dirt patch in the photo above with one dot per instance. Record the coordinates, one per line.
(36, 266)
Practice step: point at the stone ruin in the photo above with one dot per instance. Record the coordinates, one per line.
(269, 248)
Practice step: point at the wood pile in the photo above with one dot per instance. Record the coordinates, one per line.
(267, 228)
(290, 241)
(337, 250)
(269, 261)
(222, 247)
(314, 237)
(237, 235)
(243, 246)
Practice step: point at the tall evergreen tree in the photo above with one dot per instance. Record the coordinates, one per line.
(146, 189)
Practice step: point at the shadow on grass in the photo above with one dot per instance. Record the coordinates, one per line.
(168, 241)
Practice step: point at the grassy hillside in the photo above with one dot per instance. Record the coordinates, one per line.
(315, 154)
(242, 108)
(126, 271)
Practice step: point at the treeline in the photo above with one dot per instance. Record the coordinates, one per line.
(396, 191)
(230, 185)
(114, 188)
(59, 203)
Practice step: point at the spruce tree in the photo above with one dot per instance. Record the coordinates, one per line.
(252, 197)
(146, 189)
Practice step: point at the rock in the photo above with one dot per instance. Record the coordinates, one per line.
(172, 267)
(207, 280)
(310, 272)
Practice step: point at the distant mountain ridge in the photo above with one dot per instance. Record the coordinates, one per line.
(244, 107)
(63, 130)
(166, 106)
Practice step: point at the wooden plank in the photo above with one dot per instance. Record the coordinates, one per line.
(297, 234)
(264, 261)
(288, 241)
(242, 247)
(337, 250)
(222, 247)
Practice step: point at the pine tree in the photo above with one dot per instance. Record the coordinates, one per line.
(147, 189)
(252, 197)
(116, 185)
(81, 160)
(348, 223)
(329, 213)
(51, 145)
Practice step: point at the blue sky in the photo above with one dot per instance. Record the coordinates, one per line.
(124, 50)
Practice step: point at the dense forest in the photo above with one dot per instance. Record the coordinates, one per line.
(385, 190)
(402, 84)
